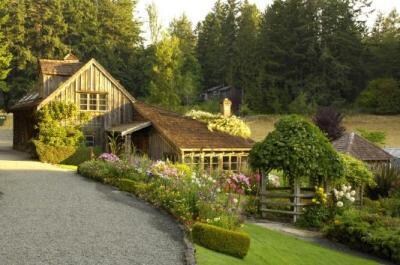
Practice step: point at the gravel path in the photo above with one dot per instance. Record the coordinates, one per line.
(50, 215)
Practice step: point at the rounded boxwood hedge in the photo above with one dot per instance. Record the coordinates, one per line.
(222, 240)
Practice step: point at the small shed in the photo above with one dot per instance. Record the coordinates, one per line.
(362, 149)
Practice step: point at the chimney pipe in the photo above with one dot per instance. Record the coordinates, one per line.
(226, 107)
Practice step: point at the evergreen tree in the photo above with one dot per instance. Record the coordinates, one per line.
(247, 61)
(341, 65)
(166, 78)
(210, 48)
(5, 55)
(383, 47)
(288, 47)
(45, 27)
(181, 29)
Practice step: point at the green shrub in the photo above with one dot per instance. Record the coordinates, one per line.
(127, 185)
(356, 172)
(68, 155)
(225, 241)
(96, 169)
(382, 96)
(387, 179)
(370, 233)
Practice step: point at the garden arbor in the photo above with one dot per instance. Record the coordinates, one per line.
(304, 155)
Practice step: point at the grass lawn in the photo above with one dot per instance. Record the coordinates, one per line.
(270, 247)
(261, 125)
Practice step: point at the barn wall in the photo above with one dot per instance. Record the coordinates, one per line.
(23, 129)
(119, 108)
(159, 148)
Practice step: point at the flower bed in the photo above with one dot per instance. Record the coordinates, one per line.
(189, 195)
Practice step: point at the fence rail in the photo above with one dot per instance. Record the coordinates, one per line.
(285, 200)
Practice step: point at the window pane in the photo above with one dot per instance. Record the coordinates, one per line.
(93, 101)
(225, 163)
(89, 139)
(83, 101)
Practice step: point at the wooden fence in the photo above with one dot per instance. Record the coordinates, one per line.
(285, 200)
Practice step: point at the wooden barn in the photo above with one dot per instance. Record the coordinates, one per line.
(151, 130)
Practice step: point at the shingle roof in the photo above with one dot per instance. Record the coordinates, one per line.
(360, 148)
(31, 99)
(186, 133)
(59, 67)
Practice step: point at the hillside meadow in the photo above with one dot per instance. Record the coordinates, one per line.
(261, 125)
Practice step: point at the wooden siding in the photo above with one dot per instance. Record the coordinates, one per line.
(50, 83)
(160, 149)
(119, 107)
(23, 129)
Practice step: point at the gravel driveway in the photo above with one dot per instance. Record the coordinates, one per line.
(53, 216)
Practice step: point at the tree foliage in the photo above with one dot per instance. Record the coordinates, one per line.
(103, 29)
(329, 121)
(382, 96)
(5, 55)
(60, 125)
(299, 149)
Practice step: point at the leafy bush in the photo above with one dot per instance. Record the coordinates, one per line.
(330, 122)
(318, 213)
(225, 241)
(217, 122)
(375, 137)
(387, 179)
(127, 185)
(299, 149)
(371, 233)
(60, 124)
(356, 172)
(382, 96)
(69, 155)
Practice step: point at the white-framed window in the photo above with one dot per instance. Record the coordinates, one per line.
(93, 101)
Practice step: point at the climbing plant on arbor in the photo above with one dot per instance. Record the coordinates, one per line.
(299, 149)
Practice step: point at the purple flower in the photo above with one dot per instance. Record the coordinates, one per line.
(108, 157)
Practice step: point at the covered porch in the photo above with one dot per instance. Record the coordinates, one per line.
(131, 136)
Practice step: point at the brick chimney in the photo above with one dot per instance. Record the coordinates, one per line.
(226, 107)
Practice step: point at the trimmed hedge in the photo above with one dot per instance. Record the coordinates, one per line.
(69, 155)
(225, 241)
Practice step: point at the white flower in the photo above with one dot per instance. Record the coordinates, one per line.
(349, 188)
(353, 193)
(339, 204)
(352, 199)
(340, 194)
(348, 195)
(216, 219)
(218, 190)
(208, 220)
(235, 201)
(344, 187)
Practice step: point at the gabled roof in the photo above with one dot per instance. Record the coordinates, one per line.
(360, 148)
(186, 133)
(59, 67)
(81, 70)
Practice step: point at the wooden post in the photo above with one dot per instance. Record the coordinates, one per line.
(127, 144)
(262, 191)
(296, 199)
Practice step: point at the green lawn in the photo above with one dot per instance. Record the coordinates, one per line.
(69, 167)
(270, 247)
